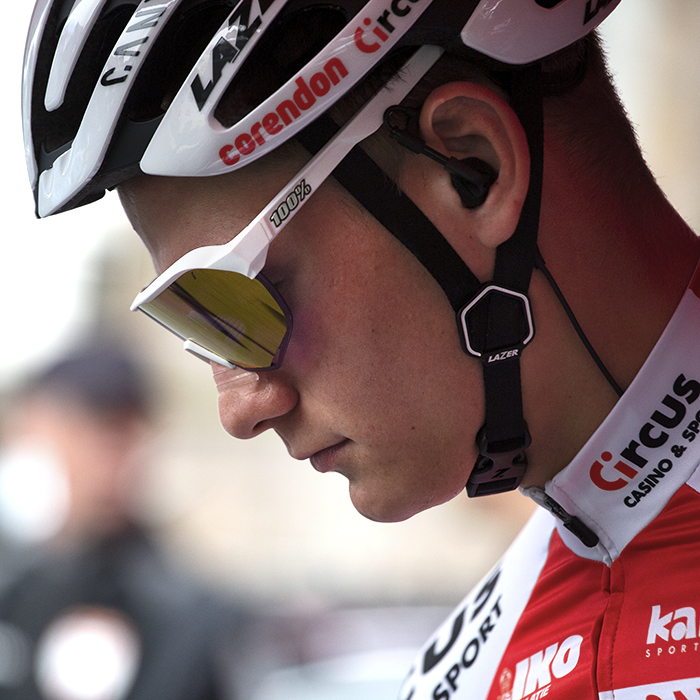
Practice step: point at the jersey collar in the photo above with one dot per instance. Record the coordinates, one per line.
(646, 448)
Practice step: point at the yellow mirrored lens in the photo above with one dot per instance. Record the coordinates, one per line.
(225, 312)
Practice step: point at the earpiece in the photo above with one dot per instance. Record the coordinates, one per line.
(471, 177)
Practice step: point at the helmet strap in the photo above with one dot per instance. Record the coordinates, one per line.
(494, 319)
(503, 314)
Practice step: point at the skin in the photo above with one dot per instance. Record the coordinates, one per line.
(336, 387)
(374, 385)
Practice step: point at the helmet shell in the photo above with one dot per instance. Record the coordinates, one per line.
(112, 88)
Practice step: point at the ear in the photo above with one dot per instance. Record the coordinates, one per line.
(463, 120)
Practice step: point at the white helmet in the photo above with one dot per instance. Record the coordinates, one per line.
(114, 86)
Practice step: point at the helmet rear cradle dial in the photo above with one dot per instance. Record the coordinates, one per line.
(112, 88)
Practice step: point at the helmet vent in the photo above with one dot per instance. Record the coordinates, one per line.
(288, 45)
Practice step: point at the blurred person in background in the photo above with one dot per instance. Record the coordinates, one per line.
(382, 321)
(90, 607)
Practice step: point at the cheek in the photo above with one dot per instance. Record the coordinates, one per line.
(345, 347)
(395, 345)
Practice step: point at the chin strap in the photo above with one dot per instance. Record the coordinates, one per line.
(498, 323)
(494, 320)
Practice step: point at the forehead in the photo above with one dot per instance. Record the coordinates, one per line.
(175, 215)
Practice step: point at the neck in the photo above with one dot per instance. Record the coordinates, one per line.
(623, 267)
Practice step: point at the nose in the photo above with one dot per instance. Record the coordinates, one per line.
(249, 403)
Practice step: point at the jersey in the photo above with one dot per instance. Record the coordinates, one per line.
(618, 621)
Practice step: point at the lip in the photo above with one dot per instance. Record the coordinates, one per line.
(325, 460)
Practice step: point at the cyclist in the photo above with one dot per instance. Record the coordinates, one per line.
(477, 152)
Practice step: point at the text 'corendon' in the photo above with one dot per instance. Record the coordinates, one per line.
(287, 111)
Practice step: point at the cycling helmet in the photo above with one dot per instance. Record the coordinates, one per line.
(114, 84)
(202, 87)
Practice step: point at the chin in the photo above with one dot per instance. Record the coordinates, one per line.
(387, 508)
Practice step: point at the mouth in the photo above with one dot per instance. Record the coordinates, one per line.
(325, 460)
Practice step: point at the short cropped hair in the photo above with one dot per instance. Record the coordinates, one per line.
(581, 109)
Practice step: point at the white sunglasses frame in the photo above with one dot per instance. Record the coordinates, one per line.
(246, 253)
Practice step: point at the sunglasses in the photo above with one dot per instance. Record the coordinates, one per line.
(215, 297)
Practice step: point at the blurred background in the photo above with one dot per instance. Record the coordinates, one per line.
(244, 519)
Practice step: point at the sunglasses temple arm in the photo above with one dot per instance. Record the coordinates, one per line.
(368, 120)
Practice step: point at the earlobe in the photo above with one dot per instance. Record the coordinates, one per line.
(466, 120)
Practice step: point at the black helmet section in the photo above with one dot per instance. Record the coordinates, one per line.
(171, 56)
(170, 59)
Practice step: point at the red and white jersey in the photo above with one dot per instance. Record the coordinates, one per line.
(620, 621)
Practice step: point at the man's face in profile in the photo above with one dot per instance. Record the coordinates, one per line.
(374, 384)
